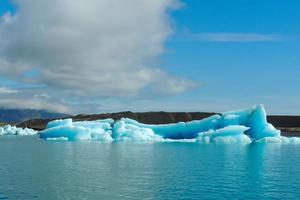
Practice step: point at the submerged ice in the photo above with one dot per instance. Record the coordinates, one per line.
(241, 126)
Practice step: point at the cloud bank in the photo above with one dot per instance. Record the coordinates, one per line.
(6, 90)
(92, 47)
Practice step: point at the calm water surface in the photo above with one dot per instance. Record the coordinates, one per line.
(35, 169)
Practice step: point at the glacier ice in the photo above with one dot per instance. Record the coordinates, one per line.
(100, 130)
(59, 122)
(241, 126)
(13, 130)
(228, 134)
(255, 118)
(280, 140)
(181, 130)
(124, 132)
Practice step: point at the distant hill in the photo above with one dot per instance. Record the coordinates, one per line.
(20, 115)
(144, 117)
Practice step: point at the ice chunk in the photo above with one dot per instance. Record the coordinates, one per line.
(241, 116)
(124, 132)
(180, 130)
(259, 126)
(269, 140)
(279, 140)
(83, 130)
(294, 140)
(241, 126)
(229, 134)
(59, 122)
(255, 118)
(94, 124)
(13, 130)
(230, 119)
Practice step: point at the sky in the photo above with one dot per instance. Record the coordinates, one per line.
(99, 56)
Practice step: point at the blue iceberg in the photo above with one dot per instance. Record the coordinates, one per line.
(228, 134)
(255, 118)
(125, 132)
(181, 130)
(13, 130)
(241, 126)
(66, 129)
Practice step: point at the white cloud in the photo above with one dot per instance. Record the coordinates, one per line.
(99, 47)
(34, 103)
(6, 90)
(234, 37)
(43, 95)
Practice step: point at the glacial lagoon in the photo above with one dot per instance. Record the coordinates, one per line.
(32, 168)
(236, 155)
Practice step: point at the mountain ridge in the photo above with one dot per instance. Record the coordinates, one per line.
(21, 115)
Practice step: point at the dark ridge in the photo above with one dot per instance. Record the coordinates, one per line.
(20, 115)
(148, 117)
(144, 117)
(36, 124)
(284, 121)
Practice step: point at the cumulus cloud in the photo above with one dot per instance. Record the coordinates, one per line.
(34, 103)
(33, 98)
(107, 48)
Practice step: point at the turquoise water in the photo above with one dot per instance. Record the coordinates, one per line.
(35, 169)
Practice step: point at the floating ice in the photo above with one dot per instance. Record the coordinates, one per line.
(279, 139)
(250, 124)
(181, 130)
(59, 122)
(255, 118)
(229, 134)
(124, 132)
(241, 126)
(13, 130)
(100, 130)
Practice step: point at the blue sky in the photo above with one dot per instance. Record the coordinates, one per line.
(6, 6)
(223, 54)
(239, 73)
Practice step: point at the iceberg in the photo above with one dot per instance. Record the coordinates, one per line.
(59, 122)
(255, 118)
(125, 132)
(66, 129)
(241, 126)
(280, 140)
(181, 130)
(228, 134)
(13, 130)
